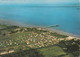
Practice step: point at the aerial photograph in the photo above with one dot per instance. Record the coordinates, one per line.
(39, 28)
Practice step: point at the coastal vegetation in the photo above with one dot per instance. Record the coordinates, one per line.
(18, 41)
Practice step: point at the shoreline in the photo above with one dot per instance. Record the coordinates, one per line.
(10, 22)
(64, 33)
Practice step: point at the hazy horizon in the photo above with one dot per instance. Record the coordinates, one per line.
(37, 1)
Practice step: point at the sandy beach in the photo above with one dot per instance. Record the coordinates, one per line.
(64, 33)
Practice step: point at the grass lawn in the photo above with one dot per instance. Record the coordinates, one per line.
(52, 51)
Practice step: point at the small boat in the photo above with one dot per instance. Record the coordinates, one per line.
(54, 26)
(57, 25)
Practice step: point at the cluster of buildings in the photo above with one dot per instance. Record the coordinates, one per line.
(35, 40)
(31, 39)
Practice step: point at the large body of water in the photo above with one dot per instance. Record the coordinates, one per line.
(67, 17)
